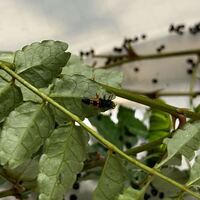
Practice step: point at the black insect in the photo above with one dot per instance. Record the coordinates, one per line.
(117, 49)
(194, 29)
(179, 29)
(99, 102)
(160, 48)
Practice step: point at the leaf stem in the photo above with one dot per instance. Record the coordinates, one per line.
(144, 147)
(9, 192)
(157, 93)
(175, 111)
(102, 140)
(135, 57)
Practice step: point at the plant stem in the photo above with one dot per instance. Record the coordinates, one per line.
(9, 192)
(102, 140)
(157, 93)
(193, 80)
(152, 103)
(127, 58)
(144, 147)
(132, 151)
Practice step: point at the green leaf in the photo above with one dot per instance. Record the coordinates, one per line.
(111, 182)
(10, 97)
(127, 119)
(108, 77)
(76, 66)
(194, 179)
(28, 95)
(185, 142)
(62, 160)
(107, 128)
(132, 194)
(26, 173)
(24, 131)
(40, 63)
(7, 56)
(69, 92)
(181, 176)
(160, 121)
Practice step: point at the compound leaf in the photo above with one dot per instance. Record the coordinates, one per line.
(76, 66)
(107, 128)
(24, 131)
(40, 63)
(69, 92)
(62, 160)
(10, 97)
(7, 56)
(132, 194)
(181, 176)
(26, 173)
(185, 142)
(107, 77)
(127, 119)
(111, 182)
(195, 173)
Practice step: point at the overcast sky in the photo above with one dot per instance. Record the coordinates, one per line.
(88, 23)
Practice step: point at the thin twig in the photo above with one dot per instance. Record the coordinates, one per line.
(127, 58)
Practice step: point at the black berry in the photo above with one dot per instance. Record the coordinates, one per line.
(189, 71)
(128, 145)
(73, 197)
(136, 69)
(154, 192)
(146, 196)
(143, 36)
(161, 195)
(76, 186)
(154, 80)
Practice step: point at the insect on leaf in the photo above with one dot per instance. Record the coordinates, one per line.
(69, 91)
(111, 182)
(24, 131)
(62, 160)
(40, 63)
(185, 141)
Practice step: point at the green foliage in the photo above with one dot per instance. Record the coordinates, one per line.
(159, 124)
(194, 179)
(107, 128)
(24, 131)
(40, 63)
(10, 97)
(185, 141)
(69, 92)
(180, 176)
(132, 194)
(43, 151)
(62, 160)
(26, 173)
(112, 180)
(125, 133)
(107, 77)
(127, 119)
